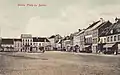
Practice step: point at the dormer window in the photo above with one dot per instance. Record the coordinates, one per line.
(118, 30)
(111, 31)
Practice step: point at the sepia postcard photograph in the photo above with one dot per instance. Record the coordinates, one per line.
(59, 37)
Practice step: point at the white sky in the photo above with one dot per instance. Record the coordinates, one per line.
(59, 16)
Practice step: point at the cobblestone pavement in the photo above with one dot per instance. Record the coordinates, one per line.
(58, 63)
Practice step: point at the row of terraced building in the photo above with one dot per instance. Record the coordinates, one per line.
(101, 36)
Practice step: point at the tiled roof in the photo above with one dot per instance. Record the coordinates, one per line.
(53, 36)
(40, 39)
(100, 25)
(58, 41)
(82, 31)
(106, 30)
(7, 41)
(66, 38)
(75, 33)
(93, 25)
(17, 39)
(115, 27)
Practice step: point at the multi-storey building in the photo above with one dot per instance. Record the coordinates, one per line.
(67, 43)
(7, 44)
(27, 42)
(88, 37)
(40, 43)
(18, 44)
(96, 33)
(55, 41)
(52, 41)
(82, 40)
(113, 38)
(78, 40)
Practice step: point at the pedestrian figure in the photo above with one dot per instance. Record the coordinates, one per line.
(30, 49)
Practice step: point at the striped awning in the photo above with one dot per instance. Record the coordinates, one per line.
(108, 45)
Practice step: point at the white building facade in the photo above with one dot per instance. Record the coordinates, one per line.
(27, 42)
(18, 44)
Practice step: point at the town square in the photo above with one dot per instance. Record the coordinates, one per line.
(59, 37)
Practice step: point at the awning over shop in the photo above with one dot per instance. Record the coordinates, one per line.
(87, 46)
(108, 45)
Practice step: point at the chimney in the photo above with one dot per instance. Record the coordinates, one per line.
(79, 30)
(117, 19)
(102, 20)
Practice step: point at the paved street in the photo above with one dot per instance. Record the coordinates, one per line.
(58, 63)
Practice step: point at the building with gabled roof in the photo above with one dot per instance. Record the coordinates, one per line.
(40, 43)
(112, 35)
(17, 44)
(88, 36)
(96, 33)
(55, 41)
(78, 40)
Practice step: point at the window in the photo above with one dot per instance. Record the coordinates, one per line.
(111, 38)
(107, 39)
(118, 37)
(39, 44)
(34, 43)
(95, 40)
(114, 38)
(104, 39)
